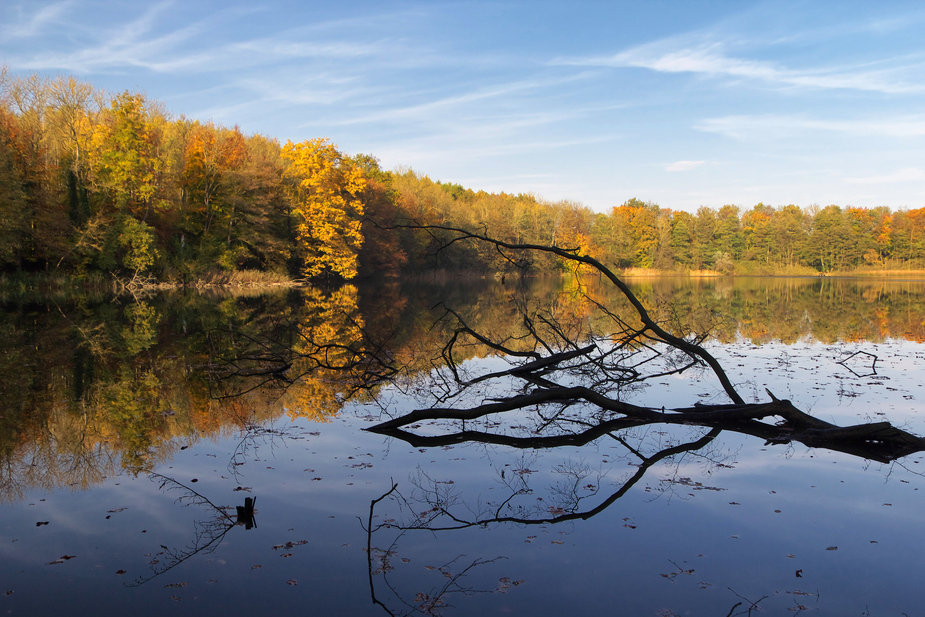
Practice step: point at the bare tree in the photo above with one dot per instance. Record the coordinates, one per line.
(573, 377)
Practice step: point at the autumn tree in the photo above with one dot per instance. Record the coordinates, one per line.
(788, 228)
(382, 251)
(211, 154)
(757, 233)
(259, 233)
(128, 163)
(12, 191)
(324, 188)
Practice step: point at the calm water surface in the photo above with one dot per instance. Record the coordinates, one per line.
(128, 451)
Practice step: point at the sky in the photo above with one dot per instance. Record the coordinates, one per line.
(684, 103)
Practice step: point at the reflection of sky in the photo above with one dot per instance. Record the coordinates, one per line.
(316, 482)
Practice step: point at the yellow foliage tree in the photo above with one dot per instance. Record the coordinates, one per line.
(324, 186)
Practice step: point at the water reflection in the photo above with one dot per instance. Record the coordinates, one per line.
(94, 386)
(208, 532)
(236, 389)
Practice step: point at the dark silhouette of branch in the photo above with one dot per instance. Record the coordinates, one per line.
(574, 255)
(209, 533)
(557, 372)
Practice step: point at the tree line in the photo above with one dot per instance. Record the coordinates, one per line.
(112, 184)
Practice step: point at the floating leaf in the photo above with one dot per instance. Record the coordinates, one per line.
(292, 581)
(832, 548)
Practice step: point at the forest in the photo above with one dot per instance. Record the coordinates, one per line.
(106, 186)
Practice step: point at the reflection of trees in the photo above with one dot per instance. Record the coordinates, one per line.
(558, 365)
(575, 491)
(561, 379)
(209, 532)
(91, 386)
(90, 389)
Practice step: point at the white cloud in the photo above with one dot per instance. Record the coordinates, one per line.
(672, 56)
(33, 26)
(778, 126)
(909, 174)
(683, 165)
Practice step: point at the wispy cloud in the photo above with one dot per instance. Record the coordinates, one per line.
(34, 24)
(711, 59)
(909, 174)
(780, 126)
(437, 107)
(133, 43)
(683, 165)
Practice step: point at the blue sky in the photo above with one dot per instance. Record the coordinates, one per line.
(683, 103)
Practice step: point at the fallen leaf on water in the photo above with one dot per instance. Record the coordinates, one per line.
(120, 572)
(832, 548)
(175, 598)
(257, 567)
(40, 523)
(292, 581)
(799, 573)
(9, 593)
(175, 585)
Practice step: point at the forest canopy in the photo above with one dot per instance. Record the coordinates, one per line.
(93, 183)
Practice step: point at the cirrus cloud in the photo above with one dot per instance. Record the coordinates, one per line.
(683, 165)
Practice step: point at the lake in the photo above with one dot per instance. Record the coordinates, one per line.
(205, 452)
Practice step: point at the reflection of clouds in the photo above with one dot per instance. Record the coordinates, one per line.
(814, 381)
